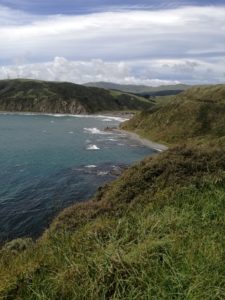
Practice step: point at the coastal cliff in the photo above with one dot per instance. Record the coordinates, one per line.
(62, 97)
(156, 232)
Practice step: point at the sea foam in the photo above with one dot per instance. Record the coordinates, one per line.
(103, 117)
(95, 131)
(92, 147)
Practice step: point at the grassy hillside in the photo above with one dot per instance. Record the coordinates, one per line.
(196, 115)
(155, 233)
(141, 89)
(56, 97)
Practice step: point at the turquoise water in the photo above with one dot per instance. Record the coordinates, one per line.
(49, 162)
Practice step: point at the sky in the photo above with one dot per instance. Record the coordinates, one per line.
(123, 41)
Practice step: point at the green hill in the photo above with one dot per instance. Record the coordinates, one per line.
(196, 114)
(156, 232)
(55, 97)
(141, 89)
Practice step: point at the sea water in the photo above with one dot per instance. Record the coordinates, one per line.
(48, 162)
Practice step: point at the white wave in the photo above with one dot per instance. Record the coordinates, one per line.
(112, 140)
(92, 147)
(91, 166)
(119, 119)
(102, 173)
(159, 150)
(107, 120)
(57, 115)
(95, 131)
(103, 117)
(71, 132)
(16, 113)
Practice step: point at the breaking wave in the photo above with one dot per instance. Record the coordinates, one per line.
(92, 147)
(95, 131)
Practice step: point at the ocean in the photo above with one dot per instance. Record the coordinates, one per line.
(49, 162)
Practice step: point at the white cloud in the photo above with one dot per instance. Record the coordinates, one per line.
(148, 72)
(175, 44)
(62, 69)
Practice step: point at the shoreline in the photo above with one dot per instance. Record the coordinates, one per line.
(122, 117)
(148, 143)
(126, 115)
(128, 136)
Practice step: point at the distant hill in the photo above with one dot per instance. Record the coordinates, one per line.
(62, 97)
(196, 113)
(163, 90)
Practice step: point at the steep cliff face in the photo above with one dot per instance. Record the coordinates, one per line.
(42, 105)
(52, 97)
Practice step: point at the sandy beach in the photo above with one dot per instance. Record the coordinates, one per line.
(143, 141)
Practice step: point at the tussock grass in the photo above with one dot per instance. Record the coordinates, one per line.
(157, 232)
(194, 116)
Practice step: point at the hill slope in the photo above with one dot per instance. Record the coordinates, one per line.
(198, 113)
(157, 232)
(141, 89)
(51, 97)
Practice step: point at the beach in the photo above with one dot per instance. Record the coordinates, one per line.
(143, 141)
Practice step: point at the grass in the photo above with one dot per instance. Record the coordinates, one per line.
(157, 232)
(141, 89)
(62, 97)
(195, 116)
(133, 96)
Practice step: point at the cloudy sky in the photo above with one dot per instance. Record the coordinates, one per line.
(125, 41)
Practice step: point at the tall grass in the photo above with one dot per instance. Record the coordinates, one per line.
(155, 233)
(194, 116)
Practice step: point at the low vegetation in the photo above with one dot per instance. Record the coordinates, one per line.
(197, 115)
(156, 232)
(141, 89)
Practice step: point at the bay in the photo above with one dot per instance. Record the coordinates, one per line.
(48, 162)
